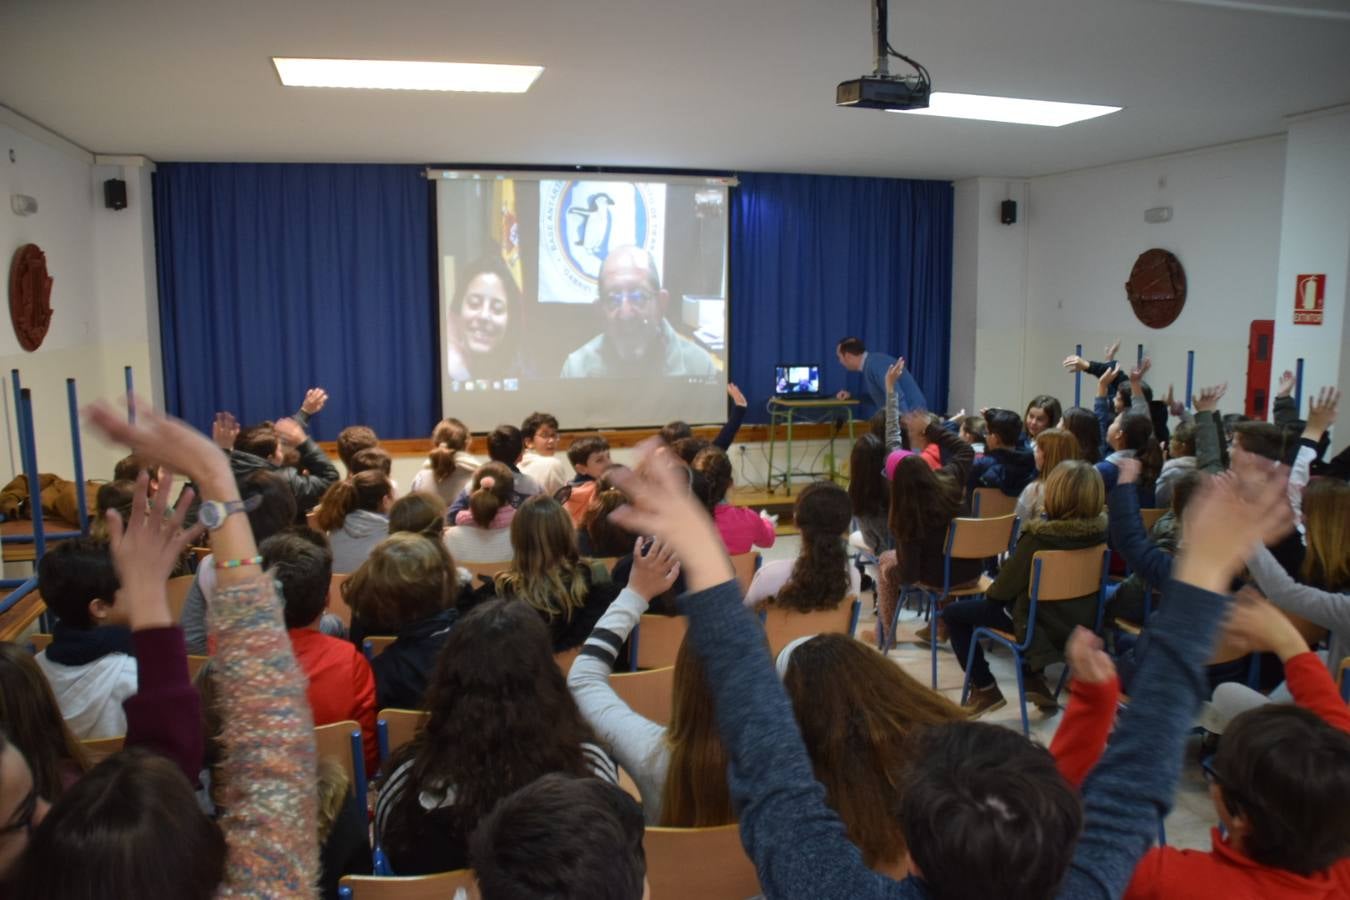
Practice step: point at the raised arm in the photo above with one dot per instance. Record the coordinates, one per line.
(1081, 736)
(958, 455)
(1127, 529)
(1328, 609)
(727, 435)
(316, 471)
(894, 431)
(1209, 450)
(798, 845)
(1138, 403)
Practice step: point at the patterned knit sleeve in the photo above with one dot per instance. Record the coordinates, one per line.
(270, 823)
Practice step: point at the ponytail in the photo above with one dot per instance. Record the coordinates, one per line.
(448, 438)
(492, 489)
(362, 491)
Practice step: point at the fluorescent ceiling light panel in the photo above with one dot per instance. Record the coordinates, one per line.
(1008, 109)
(405, 75)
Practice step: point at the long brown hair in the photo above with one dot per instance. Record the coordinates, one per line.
(486, 501)
(922, 500)
(448, 439)
(819, 578)
(696, 793)
(715, 466)
(500, 716)
(1083, 425)
(365, 490)
(867, 487)
(1326, 520)
(420, 512)
(856, 709)
(1055, 445)
(546, 568)
(31, 715)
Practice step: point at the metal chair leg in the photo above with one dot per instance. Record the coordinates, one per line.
(1021, 692)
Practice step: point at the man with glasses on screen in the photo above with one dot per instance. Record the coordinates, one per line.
(637, 339)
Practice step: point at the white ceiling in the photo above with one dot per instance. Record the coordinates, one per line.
(717, 84)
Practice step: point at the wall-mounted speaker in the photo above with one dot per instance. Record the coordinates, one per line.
(1007, 212)
(115, 193)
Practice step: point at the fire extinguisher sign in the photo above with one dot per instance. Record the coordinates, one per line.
(1309, 299)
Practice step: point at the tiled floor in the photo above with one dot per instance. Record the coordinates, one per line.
(1192, 815)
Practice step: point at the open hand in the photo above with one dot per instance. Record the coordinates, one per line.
(177, 446)
(1322, 410)
(1285, 387)
(1256, 625)
(893, 374)
(654, 571)
(1226, 517)
(224, 430)
(1111, 351)
(1075, 364)
(315, 398)
(736, 396)
(1208, 398)
(1107, 379)
(1138, 372)
(146, 549)
(1174, 406)
(1087, 659)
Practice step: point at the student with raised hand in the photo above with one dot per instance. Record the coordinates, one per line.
(109, 835)
(680, 768)
(679, 430)
(970, 823)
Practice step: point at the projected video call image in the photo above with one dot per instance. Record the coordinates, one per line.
(613, 291)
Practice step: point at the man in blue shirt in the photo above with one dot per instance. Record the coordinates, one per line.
(853, 355)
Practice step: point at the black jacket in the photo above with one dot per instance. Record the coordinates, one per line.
(405, 666)
(308, 482)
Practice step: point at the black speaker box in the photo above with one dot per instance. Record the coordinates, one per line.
(115, 193)
(1008, 212)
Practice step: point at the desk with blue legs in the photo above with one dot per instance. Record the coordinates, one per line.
(782, 413)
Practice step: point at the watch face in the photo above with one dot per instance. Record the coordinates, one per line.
(211, 513)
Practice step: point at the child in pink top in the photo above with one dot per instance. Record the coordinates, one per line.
(741, 528)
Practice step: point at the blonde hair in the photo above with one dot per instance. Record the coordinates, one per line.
(1326, 519)
(546, 569)
(1074, 490)
(1056, 446)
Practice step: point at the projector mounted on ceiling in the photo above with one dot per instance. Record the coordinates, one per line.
(881, 89)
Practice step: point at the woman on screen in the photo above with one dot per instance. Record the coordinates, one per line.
(485, 323)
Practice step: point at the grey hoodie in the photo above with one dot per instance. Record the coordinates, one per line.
(359, 534)
(1172, 471)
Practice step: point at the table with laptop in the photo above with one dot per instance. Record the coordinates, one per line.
(797, 399)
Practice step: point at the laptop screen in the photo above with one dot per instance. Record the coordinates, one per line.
(796, 378)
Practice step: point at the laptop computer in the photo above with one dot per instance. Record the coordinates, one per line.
(799, 381)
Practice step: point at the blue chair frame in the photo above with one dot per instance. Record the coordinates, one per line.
(1019, 649)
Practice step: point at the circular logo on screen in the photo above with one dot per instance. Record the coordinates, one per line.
(582, 221)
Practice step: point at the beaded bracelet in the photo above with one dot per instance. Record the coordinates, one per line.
(236, 563)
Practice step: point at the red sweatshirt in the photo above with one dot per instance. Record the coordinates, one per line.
(341, 685)
(1166, 872)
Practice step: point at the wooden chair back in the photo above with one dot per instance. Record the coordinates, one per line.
(39, 641)
(1151, 517)
(199, 553)
(487, 570)
(981, 538)
(745, 564)
(337, 604)
(991, 503)
(783, 626)
(565, 658)
(195, 665)
(176, 589)
(708, 863)
(1067, 574)
(441, 886)
(399, 727)
(376, 644)
(334, 741)
(658, 640)
(649, 694)
(99, 749)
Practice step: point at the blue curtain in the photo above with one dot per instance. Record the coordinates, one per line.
(816, 258)
(275, 278)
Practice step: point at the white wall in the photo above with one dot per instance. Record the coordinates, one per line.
(102, 267)
(1057, 278)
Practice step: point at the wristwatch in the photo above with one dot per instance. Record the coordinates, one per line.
(213, 513)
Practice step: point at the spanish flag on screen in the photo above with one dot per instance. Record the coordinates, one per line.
(505, 197)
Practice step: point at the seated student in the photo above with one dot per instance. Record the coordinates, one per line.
(681, 768)
(679, 430)
(1053, 446)
(273, 508)
(130, 467)
(592, 829)
(341, 685)
(742, 529)
(1180, 460)
(1042, 412)
(261, 447)
(500, 717)
(589, 457)
(973, 430)
(482, 533)
(1130, 436)
(869, 495)
(89, 661)
(923, 503)
(355, 516)
(1004, 465)
(504, 446)
(352, 440)
(1083, 425)
(420, 512)
(1075, 518)
(406, 587)
(372, 458)
(111, 495)
(547, 572)
(541, 462)
(820, 577)
(858, 713)
(687, 448)
(999, 803)
(32, 722)
(448, 467)
(108, 835)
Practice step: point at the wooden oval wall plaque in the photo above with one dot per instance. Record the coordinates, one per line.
(30, 296)
(1157, 288)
